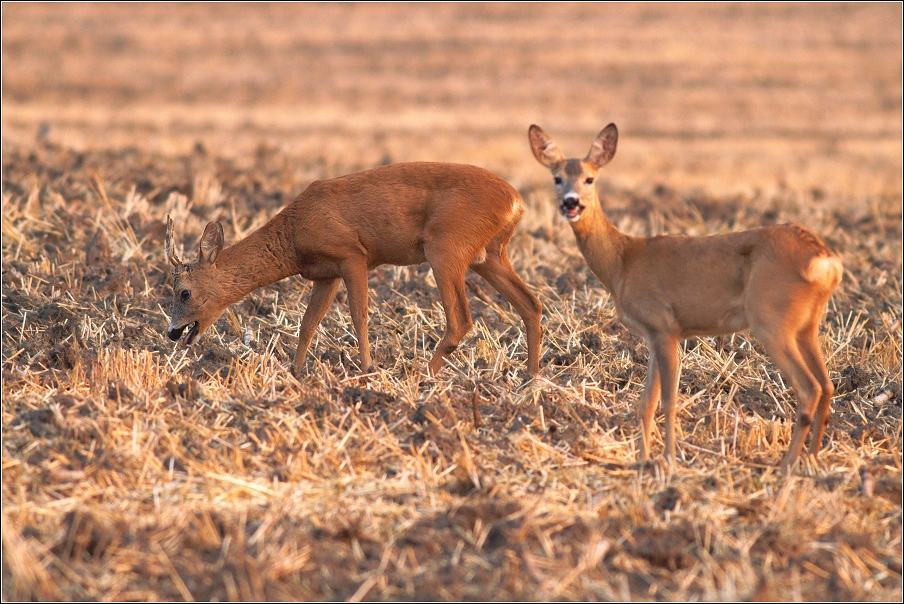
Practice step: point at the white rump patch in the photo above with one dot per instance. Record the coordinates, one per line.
(480, 257)
(825, 270)
(517, 209)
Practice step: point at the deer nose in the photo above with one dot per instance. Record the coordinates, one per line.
(174, 333)
(570, 202)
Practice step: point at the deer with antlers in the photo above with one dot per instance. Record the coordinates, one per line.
(775, 281)
(453, 216)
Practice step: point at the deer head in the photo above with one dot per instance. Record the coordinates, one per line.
(198, 298)
(574, 178)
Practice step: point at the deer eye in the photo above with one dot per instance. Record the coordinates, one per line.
(558, 180)
(589, 180)
(184, 295)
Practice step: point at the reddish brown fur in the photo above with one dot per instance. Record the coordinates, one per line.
(775, 281)
(453, 216)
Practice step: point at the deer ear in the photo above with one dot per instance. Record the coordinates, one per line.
(603, 147)
(211, 243)
(545, 150)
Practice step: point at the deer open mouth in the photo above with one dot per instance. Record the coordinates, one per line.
(175, 334)
(571, 213)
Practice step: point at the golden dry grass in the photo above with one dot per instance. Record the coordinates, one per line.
(139, 470)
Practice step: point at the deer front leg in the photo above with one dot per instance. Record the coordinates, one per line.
(646, 407)
(666, 351)
(354, 274)
(322, 295)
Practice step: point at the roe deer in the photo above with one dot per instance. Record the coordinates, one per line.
(775, 280)
(453, 216)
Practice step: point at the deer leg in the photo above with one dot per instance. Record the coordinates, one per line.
(646, 407)
(785, 354)
(354, 274)
(322, 295)
(498, 272)
(666, 351)
(450, 280)
(808, 342)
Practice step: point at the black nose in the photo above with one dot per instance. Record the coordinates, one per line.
(570, 203)
(175, 334)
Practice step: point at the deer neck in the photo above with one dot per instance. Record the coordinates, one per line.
(602, 245)
(263, 257)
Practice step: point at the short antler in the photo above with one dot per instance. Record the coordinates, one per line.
(170, 252)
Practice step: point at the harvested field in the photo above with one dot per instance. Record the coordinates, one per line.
(137, 469)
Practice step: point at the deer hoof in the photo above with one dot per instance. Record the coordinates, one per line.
(296, 371)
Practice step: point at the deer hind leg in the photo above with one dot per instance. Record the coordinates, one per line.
(498, 272)
(322, 295)
(450, 280)
(646, 407)
(783, 349)
(354, 273)
(808, 342)
(666, 347)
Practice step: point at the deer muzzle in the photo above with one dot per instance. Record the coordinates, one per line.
(174, 333)
(571, 207)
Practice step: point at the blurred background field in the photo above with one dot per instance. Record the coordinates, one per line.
(135, 469)
(803, 96)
